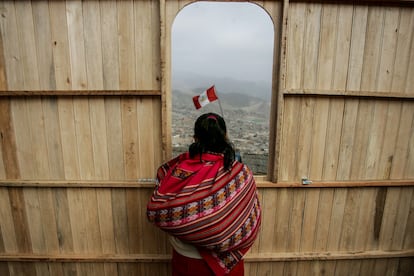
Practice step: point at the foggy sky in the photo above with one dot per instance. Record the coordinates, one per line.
(232, 40)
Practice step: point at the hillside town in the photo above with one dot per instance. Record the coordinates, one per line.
(248, 131)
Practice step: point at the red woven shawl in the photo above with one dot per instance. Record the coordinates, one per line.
(201, 203)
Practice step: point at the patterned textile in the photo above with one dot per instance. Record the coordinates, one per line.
(199, 202)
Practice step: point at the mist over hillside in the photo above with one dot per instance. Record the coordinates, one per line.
(189, 82)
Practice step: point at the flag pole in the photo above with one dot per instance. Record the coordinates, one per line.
(221, 109)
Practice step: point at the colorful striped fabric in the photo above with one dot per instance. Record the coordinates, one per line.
(199, 202)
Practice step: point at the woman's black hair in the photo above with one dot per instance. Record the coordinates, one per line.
(210, 135)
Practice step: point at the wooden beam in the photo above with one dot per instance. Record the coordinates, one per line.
(80, 93)
(337, 184)
(253, 257)
(150, 183)
(343, 93)
(277, 98)
(325, 256)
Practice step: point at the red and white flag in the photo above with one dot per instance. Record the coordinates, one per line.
(205, 98)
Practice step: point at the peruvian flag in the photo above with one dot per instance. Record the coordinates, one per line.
(205, 98)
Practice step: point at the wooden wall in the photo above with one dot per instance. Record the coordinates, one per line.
(85, 116)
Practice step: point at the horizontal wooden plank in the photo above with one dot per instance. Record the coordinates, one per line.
(250, 257)
(348, 93)
(337, 184)
(362, 2)
(149, 183)
(80, 93)
(325, 256)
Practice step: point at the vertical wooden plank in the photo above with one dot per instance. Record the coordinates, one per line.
(8, 140)
(143, 44)
(19, 214)
(4, 269)
(24, 144)
(60, 45)
(310, 220)
(7, 223)
(126, 44)
(362, 136)
(2, 166)
(320, 120)
(3, 76)
(37, 138)
(157, 139)
(93, 44)
(328, 38)
(296, 220)
(84, 147)
(343, 45)
(12, 57)
(68, 135)
(409, 166)
(401, 219)
(146, 124)
(390, 137)
(333, 139)
(336, 219)
(388, 218)
(24, 20)
(288, 145)
(359, 24)
(307, 105)
(311, 45)
(43, 39)
(282, 213)
(110, 54)
(409, 239)
(399, 160)
(53, 138)
(268, 201)
(156, 45)
(347, 139)
(78, 220)
(130, 137)
(3, 122)
(119, 210)
(35, 228)
(406, 266)
(98, 138)
(364, 233)
(388, 49)
(409, 86)
(294, 53)
(146, 229)
(350, 218)
(93, 234)
(63, 220)
(48, 220)
(106, 220)
(74, 16)
(323, 219)
(114, 138)
(373, 44)
(402, 56)
(376, 137)
(134, 220)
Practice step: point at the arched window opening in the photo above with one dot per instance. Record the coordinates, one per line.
(229, 45)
